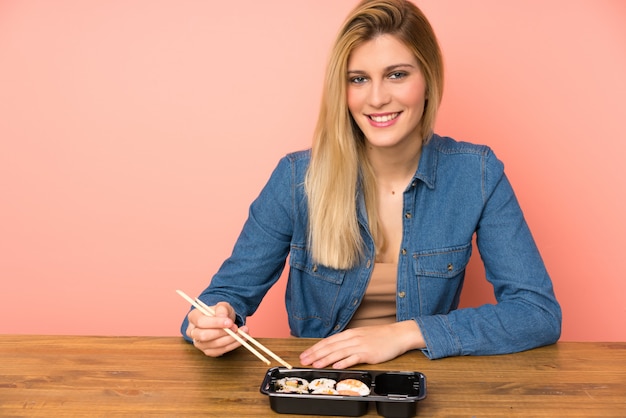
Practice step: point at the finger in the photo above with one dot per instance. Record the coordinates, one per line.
(349, 361)
(325, 356)
(189, 330)
(223, 316)
(347, 355)
(214, 322)
(193, 317)
(324, 347)
(215, 338)
(210, 335)
(216, 348)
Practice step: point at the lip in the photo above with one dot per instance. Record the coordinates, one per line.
(383, 120)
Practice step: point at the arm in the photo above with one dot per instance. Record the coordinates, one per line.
(527, 314)
(258, 257)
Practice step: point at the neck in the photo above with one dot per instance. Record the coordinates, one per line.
(393, 169)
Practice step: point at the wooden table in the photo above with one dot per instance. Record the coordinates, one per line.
(56, 376)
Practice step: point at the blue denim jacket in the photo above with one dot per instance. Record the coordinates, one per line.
(459, 190)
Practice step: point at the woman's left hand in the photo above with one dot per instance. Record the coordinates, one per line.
(372, 345)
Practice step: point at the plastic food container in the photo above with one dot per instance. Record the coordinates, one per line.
(395, 393)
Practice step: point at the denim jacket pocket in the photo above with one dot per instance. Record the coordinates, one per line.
(314, 288)
(439, 275)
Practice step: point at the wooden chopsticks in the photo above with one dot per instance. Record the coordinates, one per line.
(208, 311)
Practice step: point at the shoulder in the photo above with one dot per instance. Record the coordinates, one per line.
(296, 163)
(292, 167)
(447, 148)
(447, 145)
(445, 159)
(303, 155)
(298, 157)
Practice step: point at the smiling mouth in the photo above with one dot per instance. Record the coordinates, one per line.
(384, 118)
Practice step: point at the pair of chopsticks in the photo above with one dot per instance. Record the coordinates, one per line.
(208, 311)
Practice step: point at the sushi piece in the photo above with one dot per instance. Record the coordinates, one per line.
(325, 391)
(292, 385)
(352, 387)
(321, 383)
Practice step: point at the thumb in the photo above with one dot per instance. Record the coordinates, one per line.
(224, 310)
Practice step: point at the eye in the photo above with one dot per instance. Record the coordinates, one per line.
(397, 75)
(357, 79)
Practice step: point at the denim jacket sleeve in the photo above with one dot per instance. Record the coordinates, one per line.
(260, 253)
(527, 314)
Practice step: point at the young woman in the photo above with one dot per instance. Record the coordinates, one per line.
(377, 220)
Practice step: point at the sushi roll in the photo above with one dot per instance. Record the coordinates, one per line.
(325, 391)
(321, 383)
(292, 385)
(352, 387)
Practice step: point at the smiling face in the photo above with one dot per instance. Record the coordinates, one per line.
(386, 93)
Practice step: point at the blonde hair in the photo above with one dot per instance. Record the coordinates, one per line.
(339, 167)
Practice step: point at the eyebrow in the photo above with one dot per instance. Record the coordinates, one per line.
(386, 69)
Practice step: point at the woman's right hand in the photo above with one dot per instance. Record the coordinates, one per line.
(207, 332)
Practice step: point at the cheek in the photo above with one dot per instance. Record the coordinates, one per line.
(413, 98)
(353, 101)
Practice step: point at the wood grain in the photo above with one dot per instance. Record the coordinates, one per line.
(62, 376)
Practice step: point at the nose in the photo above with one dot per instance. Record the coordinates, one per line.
(378, 94)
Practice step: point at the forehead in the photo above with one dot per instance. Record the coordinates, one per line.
(379, 53)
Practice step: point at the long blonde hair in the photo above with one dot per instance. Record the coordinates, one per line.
(339, 167)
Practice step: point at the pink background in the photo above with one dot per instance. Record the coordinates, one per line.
(134, 135)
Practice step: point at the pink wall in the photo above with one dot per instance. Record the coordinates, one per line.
(133, 136)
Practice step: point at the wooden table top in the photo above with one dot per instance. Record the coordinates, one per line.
(57, 376)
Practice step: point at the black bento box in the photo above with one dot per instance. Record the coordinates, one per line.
(395, 393)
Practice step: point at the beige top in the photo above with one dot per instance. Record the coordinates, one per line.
(379, 302)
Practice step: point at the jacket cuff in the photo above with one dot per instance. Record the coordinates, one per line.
(439, 338)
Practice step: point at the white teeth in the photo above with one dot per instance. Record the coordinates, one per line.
(384, 118)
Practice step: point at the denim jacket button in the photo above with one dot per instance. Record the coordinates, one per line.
(407, 215)
(404, 251)
(401, 294)
(369, 263)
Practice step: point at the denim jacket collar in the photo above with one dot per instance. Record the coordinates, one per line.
(428, 164)
(426, 172)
